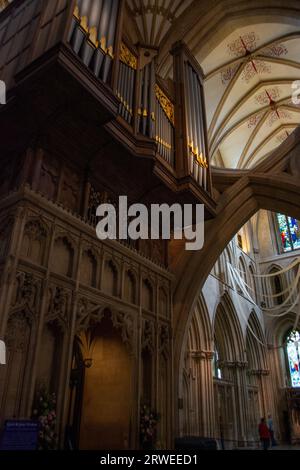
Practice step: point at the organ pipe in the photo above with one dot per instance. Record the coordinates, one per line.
(92, 34)
(195, 126)
(164, 125)
(126, 82)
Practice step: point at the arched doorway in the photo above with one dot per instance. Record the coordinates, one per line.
(228, 376)
(235, 207)
(195, 386)
(104, 388)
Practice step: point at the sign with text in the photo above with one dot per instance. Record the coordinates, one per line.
(19, 435)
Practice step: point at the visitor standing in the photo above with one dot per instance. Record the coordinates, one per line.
(264, 434)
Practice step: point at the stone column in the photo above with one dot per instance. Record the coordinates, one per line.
(202, 369)
(276, 388)
(9, 274)
(41, 322)
(237, 370)
(208, 394)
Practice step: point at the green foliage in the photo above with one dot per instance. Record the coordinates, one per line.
(45, 412)
(148, 426)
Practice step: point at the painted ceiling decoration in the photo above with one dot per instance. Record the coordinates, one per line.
(154, 18)
(241, 48)
(248, 79)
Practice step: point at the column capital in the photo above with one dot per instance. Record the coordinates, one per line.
(234, 364)
(258, 372)
(201, 354)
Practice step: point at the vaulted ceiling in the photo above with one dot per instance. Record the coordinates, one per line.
(154, 18)
(248, 92)
(249, 58)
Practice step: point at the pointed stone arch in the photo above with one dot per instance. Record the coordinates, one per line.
(107, 403)
(34, 240)
(195, 377)
(256, 352)
(277, 192)
(268, 187)
(227, 332)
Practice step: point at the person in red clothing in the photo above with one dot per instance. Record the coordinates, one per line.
(264, 434)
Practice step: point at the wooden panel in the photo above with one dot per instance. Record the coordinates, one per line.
(107, 394)
(52, 26)
(19, 35)
(16, 33)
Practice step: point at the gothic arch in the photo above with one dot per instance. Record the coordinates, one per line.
(278, 328)
(108, 382)
(227, 332)
(50, 351)
(195, 377)
(200, 332)
(19, 339)
(163, 301)
(256, 352)
(5, 236)
(229, 347)
(63, 255)
(147, 294)
(275, 284)
(281, 329)
(227, 256)
(252, 281)
(87, 318)
(216, 23)
(242, 266)
(278, 192)
(199, 335)
(130, 285)
(34, 240)
(258, 385)
(89, 267)
(273, 268)
(111, 278)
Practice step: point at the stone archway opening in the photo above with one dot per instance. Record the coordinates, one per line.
(274, 192)
(103, 400)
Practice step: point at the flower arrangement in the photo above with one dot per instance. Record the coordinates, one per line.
(148, 427)
(45, 412)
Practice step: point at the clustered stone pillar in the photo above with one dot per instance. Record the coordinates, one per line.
(237, 371)
(203, 410)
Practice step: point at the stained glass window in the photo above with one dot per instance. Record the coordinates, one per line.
(289, 229)
(217, 373)
(293, 355)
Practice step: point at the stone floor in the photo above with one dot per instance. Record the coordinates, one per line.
(279, 447)
(286, 447)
